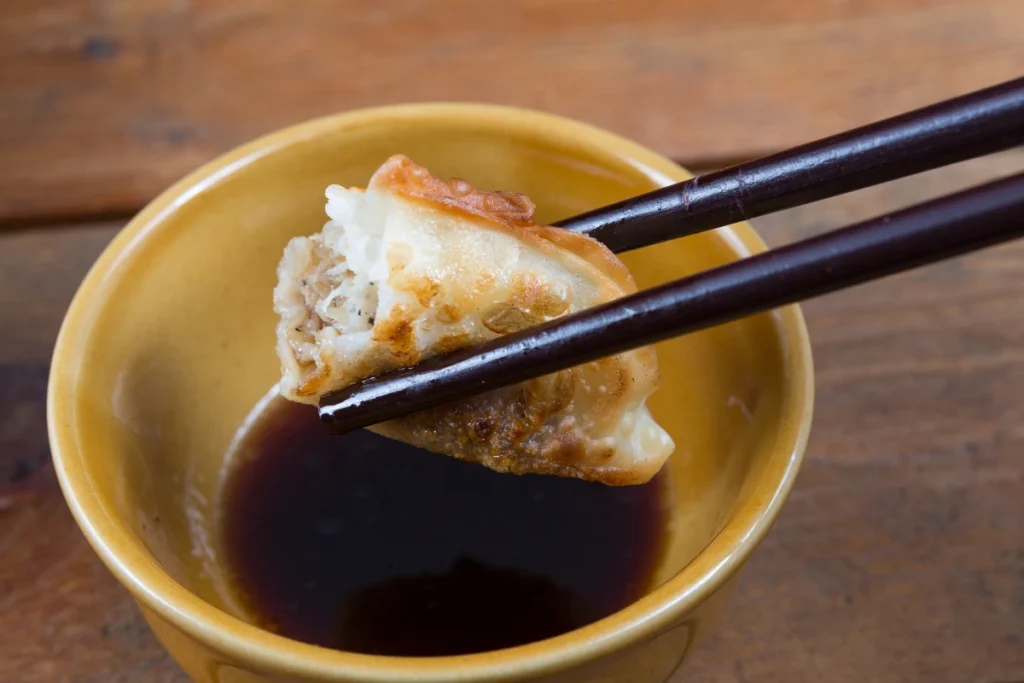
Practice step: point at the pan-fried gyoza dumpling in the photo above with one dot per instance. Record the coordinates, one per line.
(415, 266)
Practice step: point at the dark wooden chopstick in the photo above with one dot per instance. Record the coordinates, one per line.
(970, 126)
(923, 234)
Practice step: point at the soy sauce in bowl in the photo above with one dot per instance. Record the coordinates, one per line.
(365, 544)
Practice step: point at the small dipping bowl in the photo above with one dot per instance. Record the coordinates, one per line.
(169, 343)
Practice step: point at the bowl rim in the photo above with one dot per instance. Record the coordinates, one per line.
(644, 619)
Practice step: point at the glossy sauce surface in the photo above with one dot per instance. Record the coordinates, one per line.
(365, 544)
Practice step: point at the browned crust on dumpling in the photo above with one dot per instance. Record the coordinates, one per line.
(593, 252)
(402, 175)
(508, 211)
(397, 333)
(312, 384)
(517, 431)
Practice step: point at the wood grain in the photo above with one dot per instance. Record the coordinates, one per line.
(105, 103)
(62, 615)
(899, 556)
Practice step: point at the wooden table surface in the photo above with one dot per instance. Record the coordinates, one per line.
(899, 557)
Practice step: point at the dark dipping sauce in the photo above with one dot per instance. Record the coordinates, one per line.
(364, 544)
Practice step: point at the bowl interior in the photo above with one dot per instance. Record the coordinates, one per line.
(170, 342)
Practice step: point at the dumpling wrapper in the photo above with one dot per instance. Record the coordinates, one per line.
(416, 266)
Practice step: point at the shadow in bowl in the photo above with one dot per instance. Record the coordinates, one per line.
(470, 608)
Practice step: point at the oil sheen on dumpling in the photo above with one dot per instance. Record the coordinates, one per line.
(415, 266)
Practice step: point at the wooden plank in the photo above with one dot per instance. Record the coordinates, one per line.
(105, 103)
(62, 615)
(899, 556)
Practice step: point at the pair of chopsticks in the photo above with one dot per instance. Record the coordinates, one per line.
(966, 127)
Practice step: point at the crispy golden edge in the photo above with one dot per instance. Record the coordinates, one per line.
(509, 212)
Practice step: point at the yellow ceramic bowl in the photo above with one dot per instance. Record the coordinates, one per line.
(169, 343)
